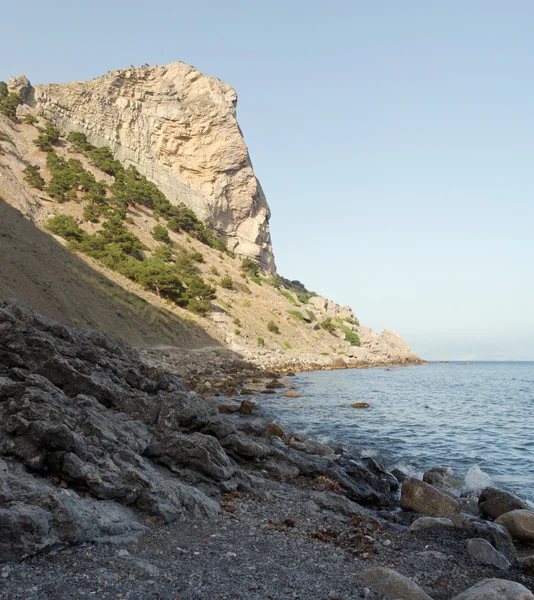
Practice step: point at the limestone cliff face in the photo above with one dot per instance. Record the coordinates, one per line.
(179, 128)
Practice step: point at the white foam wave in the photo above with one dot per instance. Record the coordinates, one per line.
(476, 480)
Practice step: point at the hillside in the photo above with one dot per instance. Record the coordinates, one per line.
(151, 253)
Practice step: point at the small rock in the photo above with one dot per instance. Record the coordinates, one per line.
(392, 584)
(274, 430)
(420, 497)
(229, 407)
(496, 589)
(519, 523)
(248, 407)
(432, 555)
(485, 553)
(429, 522)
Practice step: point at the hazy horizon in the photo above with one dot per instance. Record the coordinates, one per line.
(393, 142)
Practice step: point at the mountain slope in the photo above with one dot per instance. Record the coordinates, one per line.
(265, 318)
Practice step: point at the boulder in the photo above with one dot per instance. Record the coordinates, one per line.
(496, 589)
(317, 448)
(421, 497)
(440, 477)
(485, 553)
(429, 522)
(519, 523)
(497, 535)
(388, 582)
(494, 503)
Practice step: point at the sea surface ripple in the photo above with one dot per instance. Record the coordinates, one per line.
(477, 419)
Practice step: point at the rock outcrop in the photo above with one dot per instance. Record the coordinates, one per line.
(82, 419)
(179, 128)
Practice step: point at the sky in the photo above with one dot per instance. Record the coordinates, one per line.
(394, 142)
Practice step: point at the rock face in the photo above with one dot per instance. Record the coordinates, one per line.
(93, 442)
(179, 128)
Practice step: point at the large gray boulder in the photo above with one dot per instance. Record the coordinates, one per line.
(519, 523)
(496, 589)
(494, 503)
(382, 580)
(481, 550)
(421, 497)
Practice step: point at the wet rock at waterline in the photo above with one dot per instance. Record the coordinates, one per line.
(519, 523)
(494, 503)
(423, 498)
(440, 477)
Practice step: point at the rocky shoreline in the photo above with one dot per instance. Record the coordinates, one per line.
(117, 482)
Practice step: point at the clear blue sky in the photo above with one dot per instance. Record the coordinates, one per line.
(394, 141)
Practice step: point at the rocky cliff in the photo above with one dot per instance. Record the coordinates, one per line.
(179, 128)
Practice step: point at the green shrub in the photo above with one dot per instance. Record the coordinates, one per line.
(3, 89)
(237, 322)
(311, 315)
(9, 103)
(49, 136)
(353, 322)
(352, 337)
(65, 176)
(273, 327)
(33, 177)
(237, 331)
(79, 141)
(161, 234)
(289, 297)
(302, 297)
(287, 345)
(261, 341)
(275, 281)
(92, 213)
(227, 283)
(297, 315)
(328, 325)
(103, 159)
(30, 119)
(250, 267)
(214, 270)
(196, 256)
(66, 227)
(255, 279)
(163, 253)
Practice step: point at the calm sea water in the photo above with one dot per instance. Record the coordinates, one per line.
(477, 419)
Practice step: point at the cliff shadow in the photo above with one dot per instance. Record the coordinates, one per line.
(45, 276)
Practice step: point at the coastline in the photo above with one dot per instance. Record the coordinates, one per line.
(196, 503)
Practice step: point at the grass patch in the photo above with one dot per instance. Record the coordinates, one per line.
(297, 315)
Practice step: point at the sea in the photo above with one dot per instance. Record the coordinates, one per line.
(477, 419)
